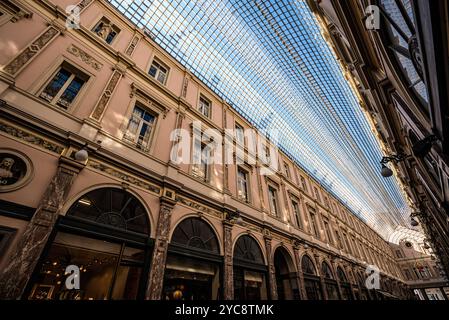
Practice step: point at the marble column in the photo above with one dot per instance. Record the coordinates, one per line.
(26, 254)
(300, 276)
(228, 271)
(157, 268)
(271, 270)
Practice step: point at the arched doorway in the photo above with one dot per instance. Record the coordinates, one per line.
(192, 270)
(286, 282)
(106, 235)
(311, 279)
(344, 284)
(250, 271)
(364, 293)
(331, 283)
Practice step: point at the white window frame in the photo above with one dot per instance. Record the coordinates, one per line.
(274, 208)
(75, 72)
(195, 166)
(239, 132)
(248, 193)
(133, 138)
(296, 213)
(205, 106)
(158, 70)
(287, 170)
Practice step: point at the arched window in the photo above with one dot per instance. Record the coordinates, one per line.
(341, 275)
(112, 207)
(196, 233)
(307, 266)
(402, 42)
(330, 283)
(246, 248)
(327, 272)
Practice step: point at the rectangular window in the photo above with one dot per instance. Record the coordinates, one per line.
(326, 201)
(239, 134)
(158, 71)
(64, 87)
(296, 213)
(140, 128)
(243, 184)
(287, 170)
(304, 184)
(356, 249)
(340, 244)
(348, 246)
(328, 231)
(272, 198)
(200, 160)
(106, 30)
(317, 194)
(204, 106)
(314, 224)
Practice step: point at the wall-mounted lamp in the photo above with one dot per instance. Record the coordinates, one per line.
(82, 155)
(387, 172)
(422, 147)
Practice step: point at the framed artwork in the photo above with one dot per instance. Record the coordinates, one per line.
(41, 292)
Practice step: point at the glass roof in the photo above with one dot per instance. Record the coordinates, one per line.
(269, 61)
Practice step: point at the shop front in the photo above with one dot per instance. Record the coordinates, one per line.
(193, 266)
(311, 279)
(344, 285)
(286, 278)
(330, 282)
(104, 239)
(250, 271)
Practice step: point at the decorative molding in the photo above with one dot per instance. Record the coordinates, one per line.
(83, 4)
(100, 108)
(30, 138)
(198, 206)
(85, 57)
(185, 85)
(123, 176)
(132, 46)
(23, 58)
(137, 90)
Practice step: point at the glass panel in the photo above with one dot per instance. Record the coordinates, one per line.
(313, 289)
(70, 93)
(190, 279)
(308, 266)
(112, 207)
(332, 291)
(96, 260)
(111, 36)
(246, 248)
(303, 94)
(195, 233)
(249, 285)
(153, 71)
(52, 89)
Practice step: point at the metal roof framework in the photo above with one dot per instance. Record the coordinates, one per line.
(270, 62)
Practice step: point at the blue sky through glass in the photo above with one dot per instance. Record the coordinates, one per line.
(269, 61)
